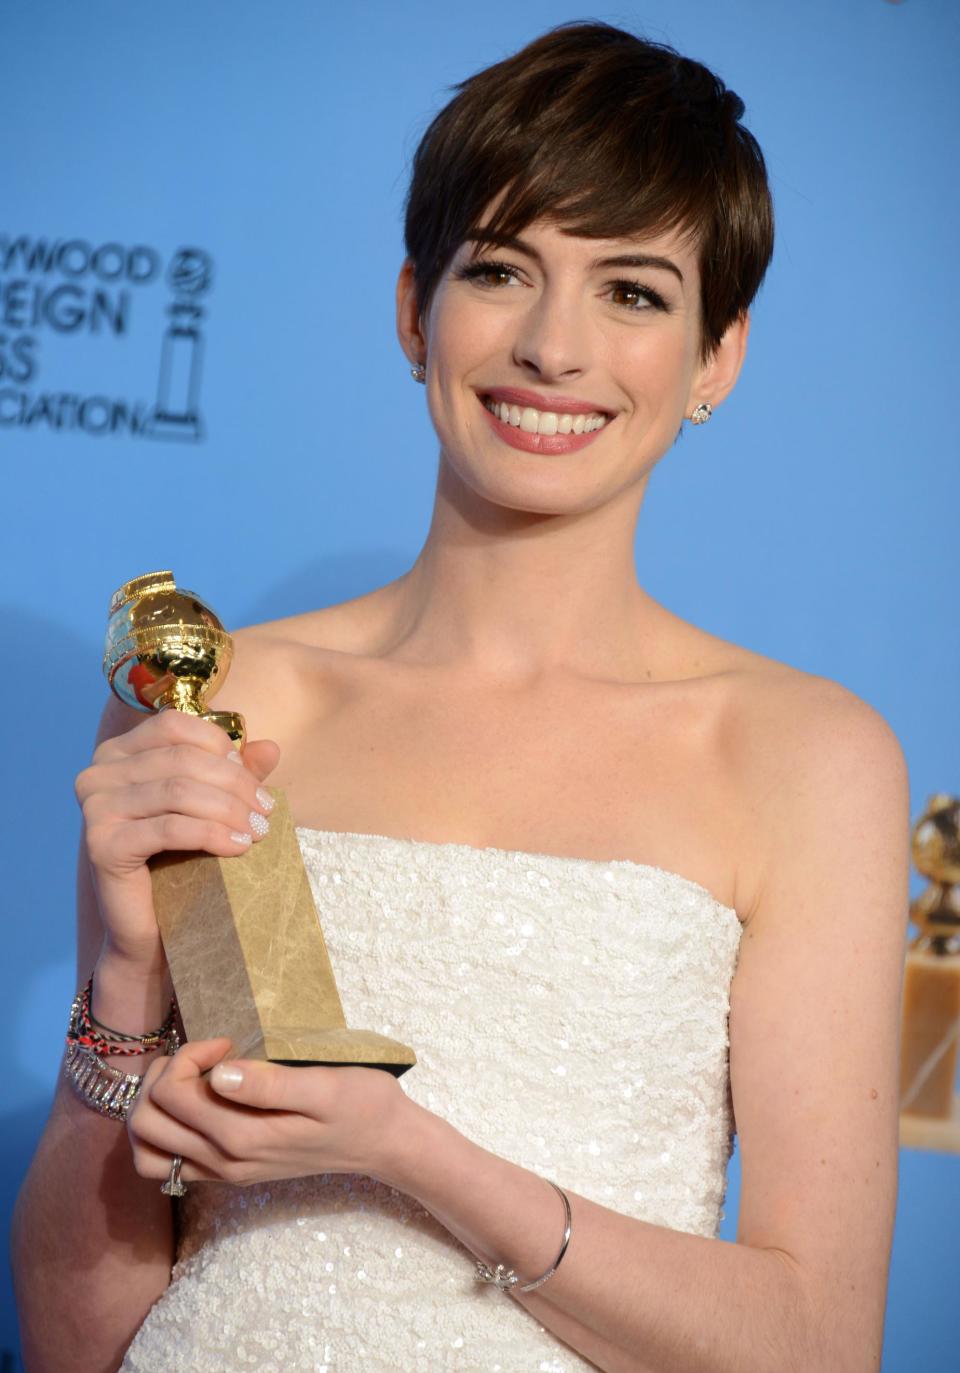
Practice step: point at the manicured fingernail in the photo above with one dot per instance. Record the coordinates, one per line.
(265, 799)
(241, 838)
(226, 1077)
(259, 823)
(234, 756)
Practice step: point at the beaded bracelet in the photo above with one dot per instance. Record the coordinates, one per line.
(84, 1029)
(505, 1278)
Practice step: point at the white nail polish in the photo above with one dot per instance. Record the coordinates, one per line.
(241, 838)
(259, 823)
(265, 799)
(234, 757)
(226, 1078)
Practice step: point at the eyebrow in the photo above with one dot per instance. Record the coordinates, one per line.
(623, 260)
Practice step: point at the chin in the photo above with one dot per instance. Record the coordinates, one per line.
(520, 482)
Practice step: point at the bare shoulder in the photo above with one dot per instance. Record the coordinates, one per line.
(776, 720)
(812, 756)
(792, 722)
(783, 707)
(284, 668)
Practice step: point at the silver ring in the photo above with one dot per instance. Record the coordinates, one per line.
(173, 1187)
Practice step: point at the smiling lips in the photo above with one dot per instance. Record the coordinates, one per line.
(534, 428)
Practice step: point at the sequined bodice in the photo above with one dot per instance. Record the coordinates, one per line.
(568, 1014)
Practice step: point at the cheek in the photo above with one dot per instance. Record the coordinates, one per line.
(658, 367)
(461, 337)
(464, 345)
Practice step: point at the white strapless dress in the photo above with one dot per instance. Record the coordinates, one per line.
(568, 1014)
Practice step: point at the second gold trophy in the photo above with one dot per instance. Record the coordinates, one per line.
(242, 935)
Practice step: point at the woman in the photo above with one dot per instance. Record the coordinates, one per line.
(571, 847)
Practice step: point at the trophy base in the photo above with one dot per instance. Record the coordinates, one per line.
(333, 1048)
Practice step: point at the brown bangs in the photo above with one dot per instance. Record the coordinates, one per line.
(607, 136)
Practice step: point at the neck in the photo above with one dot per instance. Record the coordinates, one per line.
(517, 596)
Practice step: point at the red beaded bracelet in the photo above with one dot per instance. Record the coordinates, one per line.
(85, 1029)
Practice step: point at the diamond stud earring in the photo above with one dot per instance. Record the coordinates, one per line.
(419, 372)
(702, 413)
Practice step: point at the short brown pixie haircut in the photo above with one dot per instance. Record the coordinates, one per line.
(606, 135)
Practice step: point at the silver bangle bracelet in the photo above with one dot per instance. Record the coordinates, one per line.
(506, 1279)
(105, 1089)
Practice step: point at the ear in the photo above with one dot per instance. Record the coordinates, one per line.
(409, 332)
(716, 378)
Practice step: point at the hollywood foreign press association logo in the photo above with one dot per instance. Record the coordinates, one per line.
(68, 288)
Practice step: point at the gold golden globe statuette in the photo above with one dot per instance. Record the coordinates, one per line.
(930, 1028)
(242, 935)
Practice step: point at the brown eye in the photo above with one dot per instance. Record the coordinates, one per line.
(493, 272)
(476, 271)
(644, 297)
(629, 291)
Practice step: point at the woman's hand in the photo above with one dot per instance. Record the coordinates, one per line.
(276, 1122)
(168, 783)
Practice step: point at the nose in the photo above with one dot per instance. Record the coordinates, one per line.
(552, 340)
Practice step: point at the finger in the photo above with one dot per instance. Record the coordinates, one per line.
(271, 1086)
(191, 1060)
(120, 849)
(182, 796)
(155, 1138)
(218, 1135)
(153, 1162)
(196, 1057)
(163, 728)
(155, 1132)
(164, 758)
(177, 760)
(261, 757)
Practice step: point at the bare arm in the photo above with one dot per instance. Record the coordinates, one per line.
(813, 1050)
(92, 1240)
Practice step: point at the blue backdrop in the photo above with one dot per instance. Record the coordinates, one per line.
(199, 237)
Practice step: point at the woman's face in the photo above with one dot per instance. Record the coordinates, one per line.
(546, 325)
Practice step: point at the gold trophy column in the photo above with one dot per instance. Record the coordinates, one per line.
(242, 935)
(929, 1104)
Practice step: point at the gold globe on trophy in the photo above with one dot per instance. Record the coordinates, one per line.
(242, 935)
(165, 647)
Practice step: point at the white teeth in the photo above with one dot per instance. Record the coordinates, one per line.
(548, 422)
